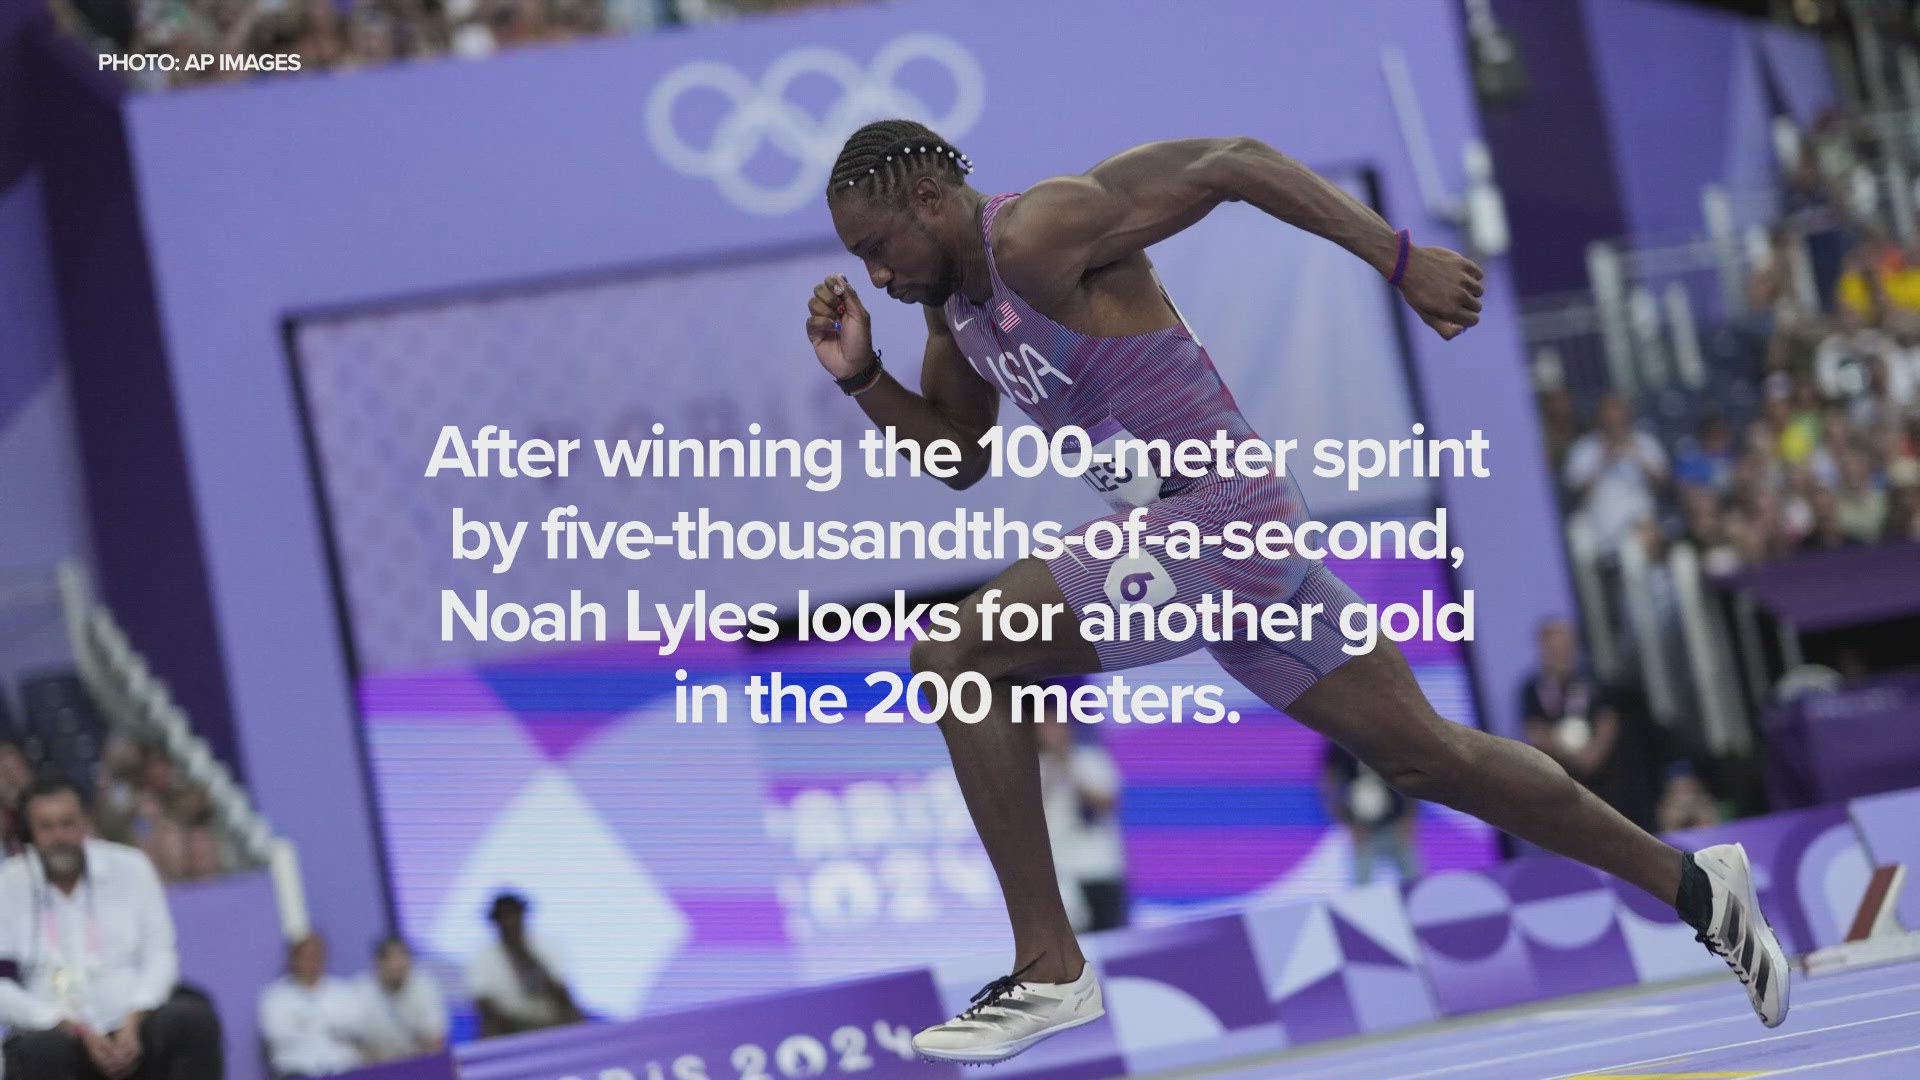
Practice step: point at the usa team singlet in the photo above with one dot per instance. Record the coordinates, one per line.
(1160, 385)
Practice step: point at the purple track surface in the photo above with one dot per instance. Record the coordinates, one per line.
(1859, 1025)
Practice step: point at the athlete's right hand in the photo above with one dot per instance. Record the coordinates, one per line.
(839, 327)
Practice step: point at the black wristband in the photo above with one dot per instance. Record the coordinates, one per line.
(862, 379)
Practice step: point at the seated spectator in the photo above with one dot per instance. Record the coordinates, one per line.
(16, 775)
(174, 821)
(116, 787)
(1860, 506)
(1613, 474)
(516, 980)
(1889, 390)
(1558, 427)
(1881, 284)
(1712, 526)
(1796, 510)
(1707, 460)
(402, 1013)
(1792, 417)
(1903, 514)
(1379, 820)
(1826, 533)
(87, 960)
(309, 1018)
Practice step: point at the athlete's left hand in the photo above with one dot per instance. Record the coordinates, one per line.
(1443, 287)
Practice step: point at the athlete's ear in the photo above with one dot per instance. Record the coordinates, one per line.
(927, 195)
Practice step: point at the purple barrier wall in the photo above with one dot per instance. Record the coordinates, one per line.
(231, 947)
(1689, 95)
(43, 521)
(18, 19)
(439, 1067)
(1595, 149)
(1886, 825)
(1831, 590)
(141, 512)
(1552, 150)
(1824, 748)
(1250, 982)
(862, 1026)
(440, 175)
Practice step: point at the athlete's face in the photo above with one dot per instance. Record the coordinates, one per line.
(896, 236)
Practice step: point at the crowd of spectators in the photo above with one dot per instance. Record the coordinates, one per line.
(331, 34)
(313, 1023)
(1828, 455)
(90, 973)
(317, 1024)
(142, 798)
(1801, 434)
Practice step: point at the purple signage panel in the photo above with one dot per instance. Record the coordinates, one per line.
(1825, 748)
(862, 1028)
(230, 946)
(437, 1067)
(1186, 993)
(1518, 932)
(1341, 966)
(1885, 823)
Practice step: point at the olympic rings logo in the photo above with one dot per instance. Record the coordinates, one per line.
(758, 114)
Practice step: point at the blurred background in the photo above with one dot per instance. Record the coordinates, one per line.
(236, 309)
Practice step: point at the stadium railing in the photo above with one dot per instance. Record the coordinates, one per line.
(130, 694)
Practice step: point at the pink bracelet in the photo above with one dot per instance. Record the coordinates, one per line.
(1400, 261)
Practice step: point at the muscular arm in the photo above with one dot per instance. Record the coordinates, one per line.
(1062, 228)
(954, 402)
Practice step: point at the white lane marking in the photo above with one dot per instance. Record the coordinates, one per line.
(1691, 1054)
(1511, 1028)
(1634, 1036)
(1845, 1060)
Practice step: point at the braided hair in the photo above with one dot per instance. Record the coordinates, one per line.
(885, 155)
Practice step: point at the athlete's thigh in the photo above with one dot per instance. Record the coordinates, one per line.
(1146, 576)
(1370, 704)
(1277, 671)
(1055, 647)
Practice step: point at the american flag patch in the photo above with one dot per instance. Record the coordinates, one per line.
(1008, 318)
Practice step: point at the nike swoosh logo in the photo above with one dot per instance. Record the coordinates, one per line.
(962, 324)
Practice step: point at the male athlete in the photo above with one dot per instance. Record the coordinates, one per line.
(1048, 296)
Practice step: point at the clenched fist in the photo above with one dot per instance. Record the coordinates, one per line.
(1442, 287)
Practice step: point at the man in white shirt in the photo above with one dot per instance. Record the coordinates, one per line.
(87, 958)
(1614, 473)
(402, 1013)
(515, 980)
(309, 1018)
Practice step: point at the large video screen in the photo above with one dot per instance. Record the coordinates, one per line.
(672, 863)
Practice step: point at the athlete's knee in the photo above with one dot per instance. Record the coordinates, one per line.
(950, 659)
(1436, 770)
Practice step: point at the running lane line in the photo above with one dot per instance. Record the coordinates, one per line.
(1842, 1061)
(1733, 1046)
(1527, 1027)
(1639, 1035)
